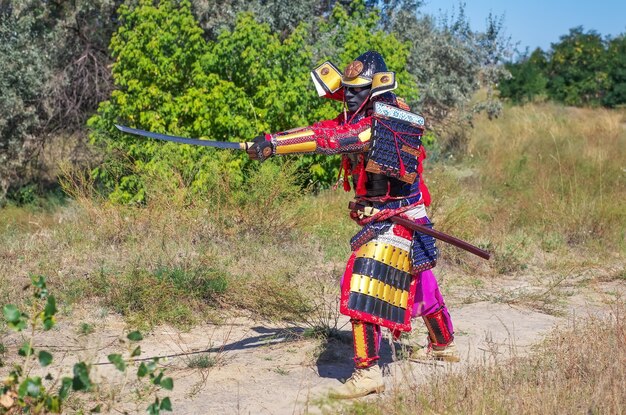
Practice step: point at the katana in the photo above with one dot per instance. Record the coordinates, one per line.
(183, 140)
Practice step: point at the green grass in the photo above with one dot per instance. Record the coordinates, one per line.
(201, 361)
(86, 329)
(205, 284)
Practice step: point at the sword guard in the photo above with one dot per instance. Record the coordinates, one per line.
(260, 149)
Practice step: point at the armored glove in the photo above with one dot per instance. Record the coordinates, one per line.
(261, 149)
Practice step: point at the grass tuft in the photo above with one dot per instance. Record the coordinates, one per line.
(201, 361)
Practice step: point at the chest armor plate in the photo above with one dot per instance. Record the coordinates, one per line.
(396, 144)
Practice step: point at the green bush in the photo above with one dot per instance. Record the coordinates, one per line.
(248, 81)
(204, 284)
(134, 295)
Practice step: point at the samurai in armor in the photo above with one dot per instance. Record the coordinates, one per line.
(388, 278)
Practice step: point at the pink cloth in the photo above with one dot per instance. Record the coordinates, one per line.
(428, 298)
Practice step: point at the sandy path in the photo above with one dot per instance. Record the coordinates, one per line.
(263, 368)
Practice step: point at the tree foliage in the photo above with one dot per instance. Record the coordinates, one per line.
(23, 75)
(450, 62)
(226, 70)
(528, 80)
(577, 68)
(616, 72)
(249, 80)
(582, 69)
(53, 76)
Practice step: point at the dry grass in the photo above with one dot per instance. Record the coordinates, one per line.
(541, 184)
(577, 369)
(563, 170)
(155, 264)
(541, 188)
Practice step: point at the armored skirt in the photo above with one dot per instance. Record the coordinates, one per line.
(383, 275)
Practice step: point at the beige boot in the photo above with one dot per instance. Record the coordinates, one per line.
(447, 353)
(361, 383)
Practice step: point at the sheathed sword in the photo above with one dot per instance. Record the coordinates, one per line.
(183, 140)
(428, 231)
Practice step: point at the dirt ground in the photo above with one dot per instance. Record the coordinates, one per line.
(255, 367)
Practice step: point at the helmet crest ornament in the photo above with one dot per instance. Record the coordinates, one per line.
(354, 69)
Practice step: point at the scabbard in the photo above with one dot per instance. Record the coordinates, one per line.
(409, 224)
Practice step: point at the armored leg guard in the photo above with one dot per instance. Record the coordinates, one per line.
(367, 377)
(440, 339)
(366, 337)
(438, 325)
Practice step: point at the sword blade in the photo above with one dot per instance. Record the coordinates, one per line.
(182, 140)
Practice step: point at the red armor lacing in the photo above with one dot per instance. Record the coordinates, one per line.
(398, 136)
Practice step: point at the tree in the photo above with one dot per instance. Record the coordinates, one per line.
(528, 80)
(450, 63)
(249, 80)
(56, 58)
(494, 48)
(161, 86)
(577, 68)
(616, 72)
(23, 75)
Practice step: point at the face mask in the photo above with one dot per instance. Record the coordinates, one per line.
(355, 97)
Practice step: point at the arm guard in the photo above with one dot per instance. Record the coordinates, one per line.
(326, 137)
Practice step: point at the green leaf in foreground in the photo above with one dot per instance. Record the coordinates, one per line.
(142, 370)
(11, 313)
(30, 387)
(45, 358)
(51, 306)
(153, 409)
(136, 352)
(66, 386)
(166, 404)
(134, 336)
(117, 361)
(81, 381)
(157, 379)
(167, 383)
(47, 317)
(16, 320)
(26, 350)
(53, 404)
(40, 283)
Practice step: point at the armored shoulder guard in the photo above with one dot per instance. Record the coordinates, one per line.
(396, 143)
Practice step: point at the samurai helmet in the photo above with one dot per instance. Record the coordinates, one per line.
(368, 70)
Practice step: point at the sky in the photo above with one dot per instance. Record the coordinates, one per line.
(538, 23)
